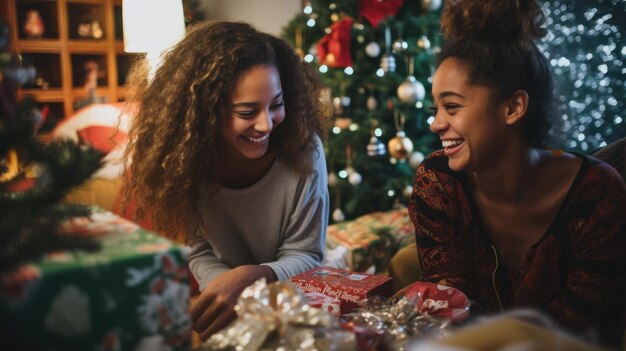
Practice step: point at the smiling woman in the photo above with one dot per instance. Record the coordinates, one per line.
(226, 152)
(498, 214)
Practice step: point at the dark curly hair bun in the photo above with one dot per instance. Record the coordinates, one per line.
(518, 20)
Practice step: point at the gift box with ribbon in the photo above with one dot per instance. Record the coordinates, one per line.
(350, 288)
(133, 294)
(276, 316)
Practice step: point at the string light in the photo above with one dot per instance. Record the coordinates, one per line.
(586, 48)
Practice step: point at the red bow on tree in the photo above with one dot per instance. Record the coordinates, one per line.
(333, 49)
(376, 10)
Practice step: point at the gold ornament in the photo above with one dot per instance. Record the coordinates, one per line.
(423, 42)
(400, 146)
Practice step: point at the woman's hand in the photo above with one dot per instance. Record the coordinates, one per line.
(214, 308)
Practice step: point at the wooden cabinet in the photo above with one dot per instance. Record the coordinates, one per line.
(79, 53)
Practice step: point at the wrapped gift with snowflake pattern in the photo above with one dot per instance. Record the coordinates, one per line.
(368, 243)
(133, 294)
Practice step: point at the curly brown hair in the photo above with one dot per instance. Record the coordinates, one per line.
(174, 136)
(495, 40)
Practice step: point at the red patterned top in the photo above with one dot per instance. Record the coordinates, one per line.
(575, 272)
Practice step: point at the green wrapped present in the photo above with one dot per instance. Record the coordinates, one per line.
(133, 294)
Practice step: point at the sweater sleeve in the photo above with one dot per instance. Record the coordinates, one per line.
(204, 265)
(303, 242)
(435, 210)
(595, 283)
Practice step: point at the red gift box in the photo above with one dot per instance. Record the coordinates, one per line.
(350, 288)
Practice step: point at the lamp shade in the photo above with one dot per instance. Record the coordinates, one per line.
(152, 25)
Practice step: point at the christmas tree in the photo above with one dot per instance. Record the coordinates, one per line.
(366, 49)
(32, 217)
(377, 59)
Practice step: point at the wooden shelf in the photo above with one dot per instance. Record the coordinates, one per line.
(60, 53)
(34, 45)
(49, 95)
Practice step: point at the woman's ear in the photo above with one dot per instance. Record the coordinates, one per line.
(516, 107)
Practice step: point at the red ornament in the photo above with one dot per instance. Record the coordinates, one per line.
(333, 49)
(376, 10)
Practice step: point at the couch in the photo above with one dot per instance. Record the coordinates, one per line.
(103, 127)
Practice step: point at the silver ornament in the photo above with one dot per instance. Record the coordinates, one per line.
(407, 191)
(372, 49)
(430, 5)
(411, 90)
(416, 159)
(338, 215)
(375, 147)
(345, 101)
(388, 63)
(355, 178)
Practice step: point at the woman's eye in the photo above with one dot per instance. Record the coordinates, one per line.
(278, 105)
(434, 109)
(451, 106)
(245, 114)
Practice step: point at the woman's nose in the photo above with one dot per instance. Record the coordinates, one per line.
(264, 122)
(438, 125)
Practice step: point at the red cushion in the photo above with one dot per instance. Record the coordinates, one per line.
(102, 126)
(102, 138)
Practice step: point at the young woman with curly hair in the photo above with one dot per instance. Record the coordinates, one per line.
(499, 215)
(226, 152)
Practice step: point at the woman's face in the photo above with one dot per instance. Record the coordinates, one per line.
(470, 126)
(257, 107)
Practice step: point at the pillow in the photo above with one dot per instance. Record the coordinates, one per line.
(101, 126)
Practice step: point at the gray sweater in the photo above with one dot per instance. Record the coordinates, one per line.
(280, 222)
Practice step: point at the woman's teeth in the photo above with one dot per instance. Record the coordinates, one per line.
(451, 143)
(258, 140)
